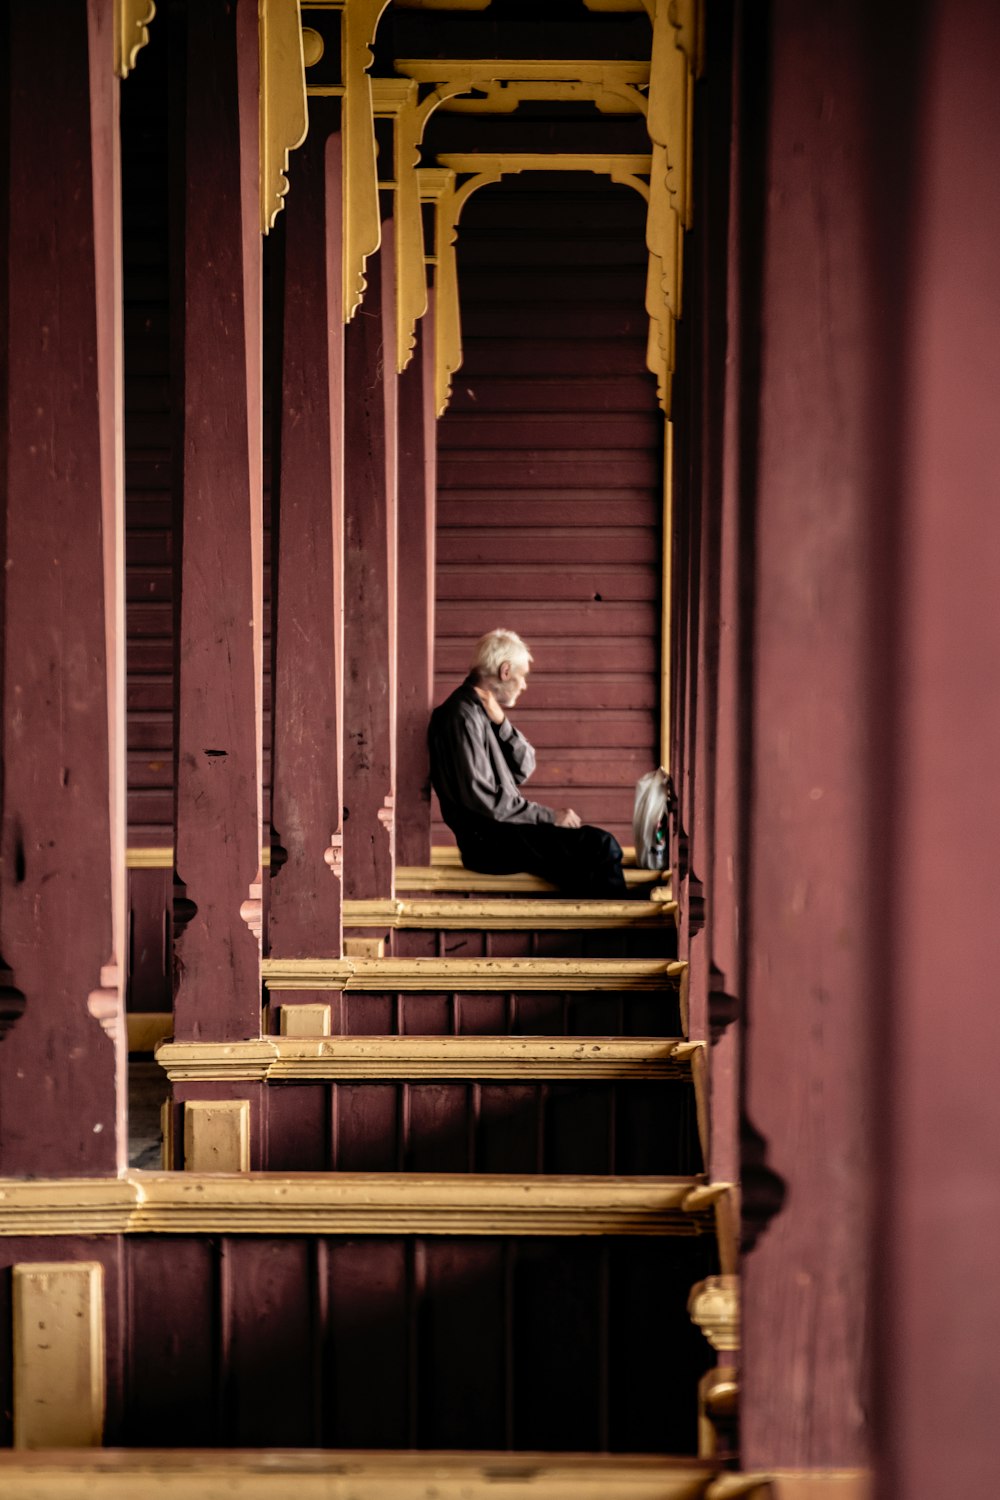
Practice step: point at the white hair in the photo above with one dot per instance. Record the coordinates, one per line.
(496, 647)
(650, 820)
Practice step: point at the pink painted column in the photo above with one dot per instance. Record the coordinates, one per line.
(218, 770)
(62, 878)
(304, 918)
(370, 586)
(415, 664)
(939, 719)
(811, 923)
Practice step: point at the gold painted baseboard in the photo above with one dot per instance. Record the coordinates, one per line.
(120, 1474)
(469, 975)
(358, 1203)
(406, 1057)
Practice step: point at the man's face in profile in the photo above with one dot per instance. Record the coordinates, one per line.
(513, 681)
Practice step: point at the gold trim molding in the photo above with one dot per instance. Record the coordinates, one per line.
(132, 21)
(507, 915)
(469, 975)
(354, 1203)
(408, 1057)
(200, 1474)
(283, 115)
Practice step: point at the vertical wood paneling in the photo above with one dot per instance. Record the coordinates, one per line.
(461, 1369)
(367, 1373)
(557, 1346)
(268, 1378)
(171, 1382)
(654, 1394)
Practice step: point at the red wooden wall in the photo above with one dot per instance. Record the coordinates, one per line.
(550, 481)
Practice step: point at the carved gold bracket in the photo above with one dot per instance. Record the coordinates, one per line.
(396, 99)
(362, 224)
(283, 117)
(132, 18)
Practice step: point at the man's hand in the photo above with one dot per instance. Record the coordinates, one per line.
(567, 818)
(490, 703)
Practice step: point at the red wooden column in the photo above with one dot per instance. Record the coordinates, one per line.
(370, 585)
(62, 879)
(415, 665)
(810, 990)
(304, 918)
(939, 717)
(218, 772)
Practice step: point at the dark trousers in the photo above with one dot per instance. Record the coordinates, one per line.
(583, 861)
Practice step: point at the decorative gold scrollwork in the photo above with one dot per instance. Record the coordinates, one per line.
(283, 118)
(132, 18)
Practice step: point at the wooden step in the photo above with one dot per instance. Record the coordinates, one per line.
(470, 975)
(261, 1474)
(525, 1058)
(455, 878)
(509, 915)
(352, 1203)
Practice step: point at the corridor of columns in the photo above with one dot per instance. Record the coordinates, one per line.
(337, 333)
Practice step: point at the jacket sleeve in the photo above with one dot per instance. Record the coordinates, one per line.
(468, 773)
(519, 755)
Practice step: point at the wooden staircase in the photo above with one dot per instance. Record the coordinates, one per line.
(482, 1207)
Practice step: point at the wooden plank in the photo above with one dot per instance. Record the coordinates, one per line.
(386, 975)
(305, 888)
(61, 644)
(370, 478)
(172, 1341)
(410, 1056)
(508, 914)
(58, 1354)
(350, 1203)
(460, 880)
(219, 715)
(417, 543)
(198, 1474)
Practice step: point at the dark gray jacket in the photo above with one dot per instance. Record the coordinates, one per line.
(477, 766)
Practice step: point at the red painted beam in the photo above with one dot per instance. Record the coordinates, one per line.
(62, 880)
(306, 874)
(417, 483)
(370, 585)
(218, 676)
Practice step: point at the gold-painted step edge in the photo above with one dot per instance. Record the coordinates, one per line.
(358, 1203)
(469, 975)
(410, 1057)
(263, 1474)
(510, 914)
(454, 877)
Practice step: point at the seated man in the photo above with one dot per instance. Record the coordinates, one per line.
(478, 762)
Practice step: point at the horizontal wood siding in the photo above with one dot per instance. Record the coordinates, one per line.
(550, 481)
